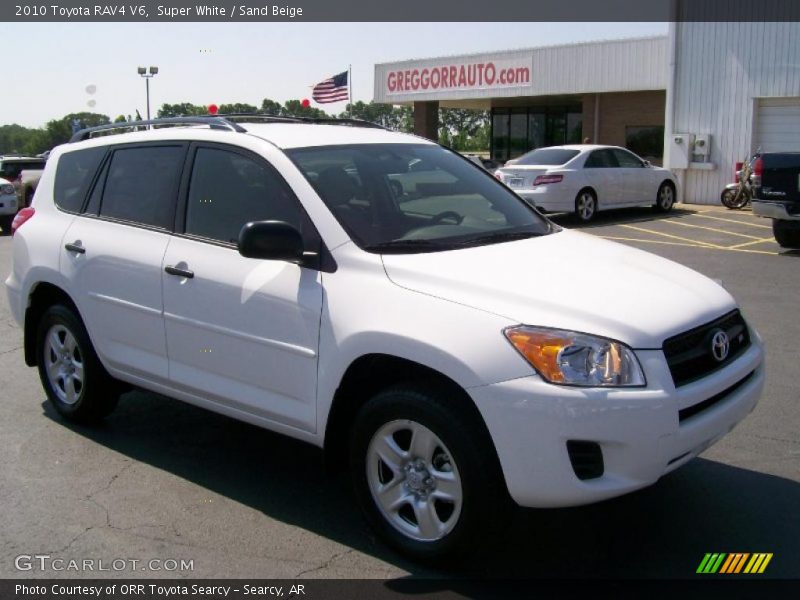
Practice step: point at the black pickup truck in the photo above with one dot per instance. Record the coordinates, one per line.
(776, 185)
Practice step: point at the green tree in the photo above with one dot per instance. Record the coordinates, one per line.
(295, 108)
(121, 119)
(237, 108)
(270, 107)
(183, 109)
(400, 118)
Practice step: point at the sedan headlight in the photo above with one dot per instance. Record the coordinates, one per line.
(571, 358)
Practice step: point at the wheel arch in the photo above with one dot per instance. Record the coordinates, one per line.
(42, 296)
(370, 373)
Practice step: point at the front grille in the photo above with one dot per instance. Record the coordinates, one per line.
(689, 354)
(586, 459)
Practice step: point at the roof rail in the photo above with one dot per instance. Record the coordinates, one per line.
(212, 122)
(227, 122)
(245, 117)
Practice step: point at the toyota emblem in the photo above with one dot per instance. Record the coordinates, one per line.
(720, 345)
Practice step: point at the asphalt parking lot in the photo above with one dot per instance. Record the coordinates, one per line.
(164, 480)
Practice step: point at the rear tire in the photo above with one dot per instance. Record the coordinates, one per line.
(585, 205)
(787, 233)
(425, 473)
(75, 381)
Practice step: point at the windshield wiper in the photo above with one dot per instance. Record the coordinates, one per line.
(498, 237)
(407, 246)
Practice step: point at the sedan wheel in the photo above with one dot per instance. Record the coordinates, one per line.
(585, 206)
(666, 198)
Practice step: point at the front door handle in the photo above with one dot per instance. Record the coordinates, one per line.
(179, 272)
(74, 247)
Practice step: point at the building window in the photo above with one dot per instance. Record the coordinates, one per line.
(522, 129)
(647, 142)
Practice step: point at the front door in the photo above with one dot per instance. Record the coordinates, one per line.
(241, 332)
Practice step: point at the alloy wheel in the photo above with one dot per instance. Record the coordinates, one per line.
(414, 480)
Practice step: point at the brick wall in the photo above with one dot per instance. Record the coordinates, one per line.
(619, 110)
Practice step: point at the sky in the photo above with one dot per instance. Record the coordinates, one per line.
(207, 63)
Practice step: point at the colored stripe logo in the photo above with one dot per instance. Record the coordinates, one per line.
(735, 562)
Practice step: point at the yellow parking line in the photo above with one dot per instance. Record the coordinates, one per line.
(676, 222)
(675, 237)
(702, 216)
(691, 245)
(761, 241)
(627, 239)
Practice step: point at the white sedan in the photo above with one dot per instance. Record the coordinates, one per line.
(585, 179)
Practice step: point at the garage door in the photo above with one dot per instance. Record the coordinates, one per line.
(778, 125)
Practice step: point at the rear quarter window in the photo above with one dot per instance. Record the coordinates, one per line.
(74, 174)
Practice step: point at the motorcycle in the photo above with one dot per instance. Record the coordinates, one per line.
(738, 195)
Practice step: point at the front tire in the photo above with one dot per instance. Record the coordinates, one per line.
(425, 474)
(585, 206)
(787, 233)
(75, 381)
(665, 199)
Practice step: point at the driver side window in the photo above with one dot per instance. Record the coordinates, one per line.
(228, 190)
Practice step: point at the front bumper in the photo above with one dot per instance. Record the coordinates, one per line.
(773, 210)
(638, 430)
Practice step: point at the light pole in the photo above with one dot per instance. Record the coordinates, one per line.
(143, 72)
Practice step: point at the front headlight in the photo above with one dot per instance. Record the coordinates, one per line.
(571, 358)
(6, 189)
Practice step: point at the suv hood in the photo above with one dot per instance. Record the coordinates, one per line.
(569, 280)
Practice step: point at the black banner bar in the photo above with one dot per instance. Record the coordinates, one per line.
(733, 587)
(397, 10)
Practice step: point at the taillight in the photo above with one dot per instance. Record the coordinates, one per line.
(543, 179)
(758, 170)
(22, 217)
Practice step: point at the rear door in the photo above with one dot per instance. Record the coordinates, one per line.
(113, 254)
(602, 173)
(241, 332)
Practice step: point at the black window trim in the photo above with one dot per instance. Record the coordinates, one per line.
(89, 189)
(102, 170)
(321, 260)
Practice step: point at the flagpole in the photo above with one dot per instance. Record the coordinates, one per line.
(350, 83)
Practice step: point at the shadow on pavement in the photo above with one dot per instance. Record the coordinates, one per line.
(662, 531)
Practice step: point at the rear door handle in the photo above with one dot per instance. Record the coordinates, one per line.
(179, 272)
(73, 247)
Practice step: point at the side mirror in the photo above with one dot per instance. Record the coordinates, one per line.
(647, 164)
(271, 240)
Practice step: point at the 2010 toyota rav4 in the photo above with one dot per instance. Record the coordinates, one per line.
(378, 295)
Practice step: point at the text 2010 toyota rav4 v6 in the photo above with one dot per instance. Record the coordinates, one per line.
(378, 295)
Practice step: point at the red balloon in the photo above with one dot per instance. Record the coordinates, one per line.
(213, 109)
(305, 103)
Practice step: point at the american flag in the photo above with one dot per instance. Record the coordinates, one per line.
(333, 89)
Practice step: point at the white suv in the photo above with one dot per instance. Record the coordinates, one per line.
(380, 296)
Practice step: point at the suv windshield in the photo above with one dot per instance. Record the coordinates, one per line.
(407, 198)
(547, 156)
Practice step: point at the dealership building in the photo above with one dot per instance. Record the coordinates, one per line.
(696, 100)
